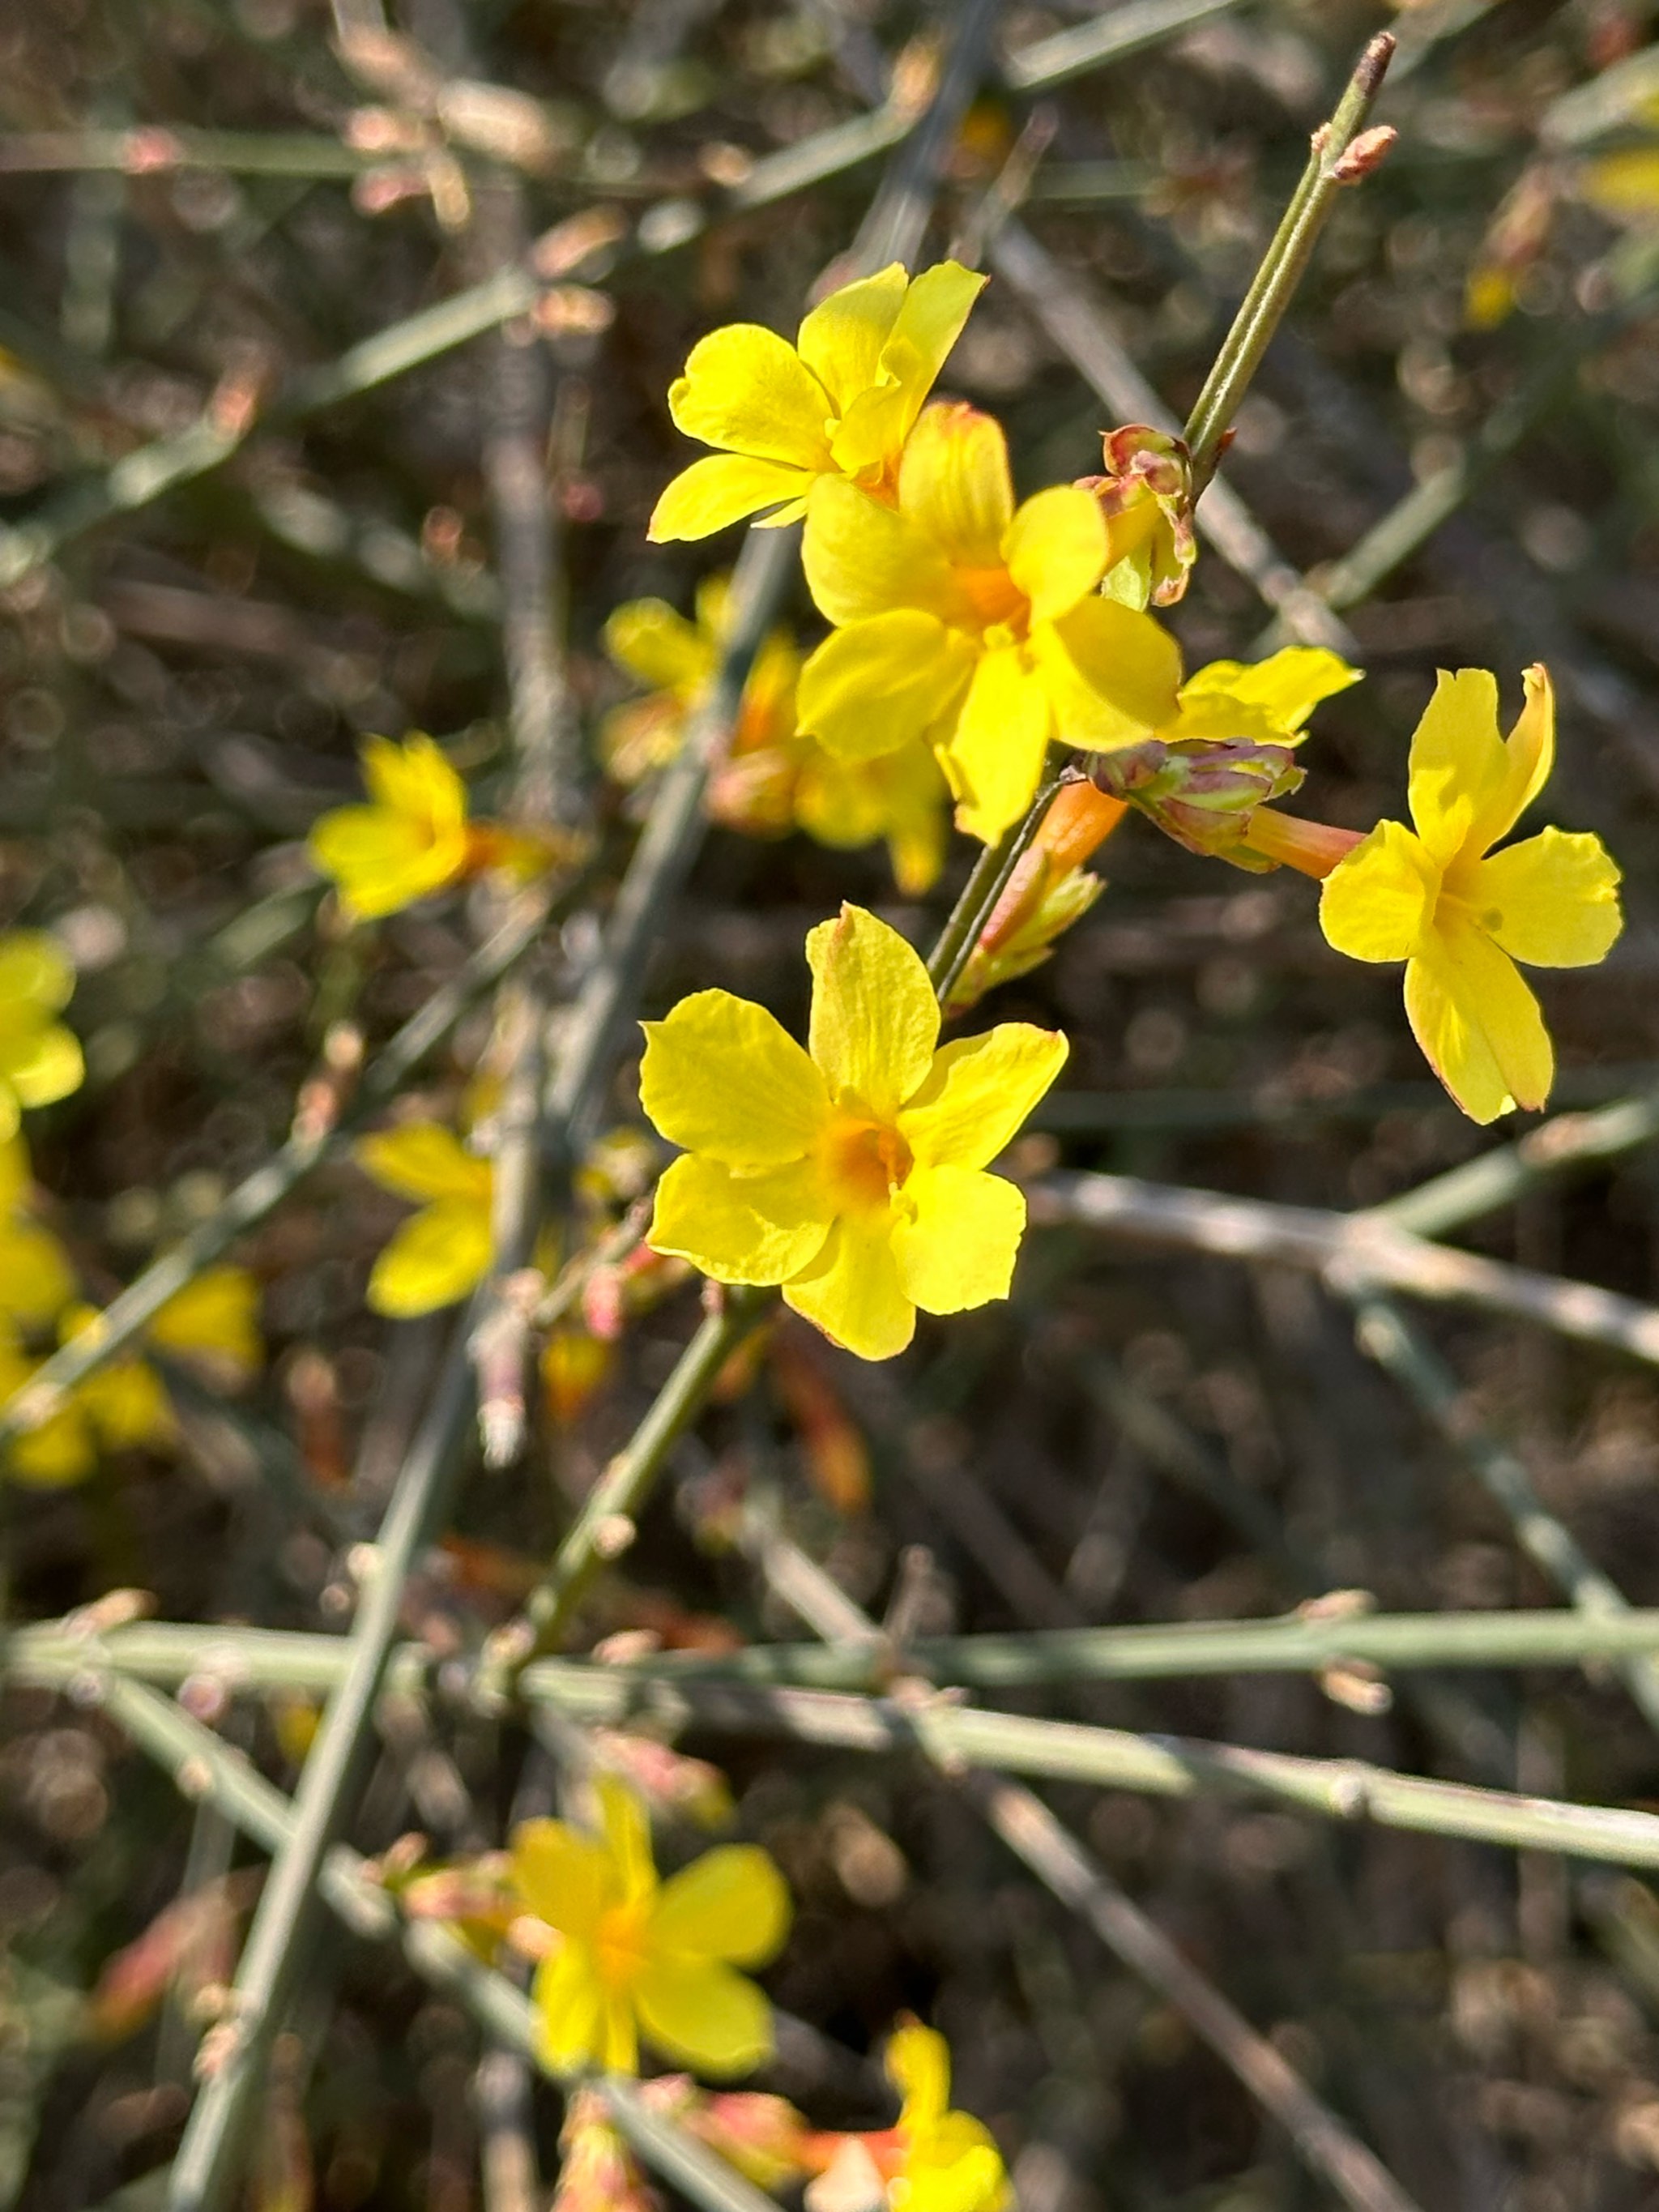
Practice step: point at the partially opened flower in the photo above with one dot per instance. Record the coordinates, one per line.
(442, 1252)
(933, 2161)
(36, 1280)
(1145, 493)
(948, 2161)
(1460, 914)
(839, 402)
(854, 1175)
(627, 1955)
(978, 625)
(411, 840)
(40, 1060)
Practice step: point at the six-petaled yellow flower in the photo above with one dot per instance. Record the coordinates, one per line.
(978, 624)
(838, 403)
(855, 1175)
(1461, 914)
(775, 776)
(629, 1956)
(123, 1406)
(443, 1251)
(40, 1060)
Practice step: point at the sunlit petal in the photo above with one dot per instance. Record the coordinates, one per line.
(438, 1255)
(979, 1093)
(1055, 548)
(758, 1227)
(875, 1019)
(748, 390)
(721, 489)
(730, 1903)
(722, 1076)
(954, 483)
(703, 2014)
(995, 754)
(1379, 902)
(957, 1238)
(853, 1293)
(878, 684)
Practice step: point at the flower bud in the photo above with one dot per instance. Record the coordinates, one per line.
(1202, 792)
(1146, 495)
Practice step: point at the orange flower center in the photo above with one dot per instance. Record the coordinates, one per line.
(619, 1944)
(864, 1163)
(997, 601)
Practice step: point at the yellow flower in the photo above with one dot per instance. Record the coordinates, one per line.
(838, 403)
(855, 1177)
(1460, 914)
(1266, 701)
(636, 1956)
(774, 778)
(36, 1280)
(39, 1060)
(412, 839)
(123, 1405)
(443, 1251)
(977, 624)
(948, 2161)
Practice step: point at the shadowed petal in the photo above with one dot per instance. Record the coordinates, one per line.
(957, 1248)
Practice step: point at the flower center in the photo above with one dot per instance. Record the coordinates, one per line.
(998, 603)
(619, 1945)
(864, 1163)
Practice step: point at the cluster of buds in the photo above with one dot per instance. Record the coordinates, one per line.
(1146, 495)
(1202, 792)
(1049, 890)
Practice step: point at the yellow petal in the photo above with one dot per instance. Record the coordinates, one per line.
(878, 684)
(978, 1092)
(383, 861)
(957, 1248)
(1458, 765)
(730, 1903)
(1111, 672)
(1285, 688)
(1055, 550)
(216, 1315)
(10, 1118)
(740, 1229)
(437, 1256)
(1378, 901)
(44, 1065)
(722, 489)
(862, 558)
(1553, 901)
(722, 1076)
(34, 971)
(918, 2064)
(627, 1827)
(16, 1176)
(703, 2014)
(1528, 757)
(569, 2001)
(1478, 1023)
(996, 755)
(875, 1020)
(424, 1160)
(840, 340)
(747, 389)
(127, 1406)
(650, 641)
(562, 1876)
(36, 1280)
(415, 778)
(60, 1451)
(1623, 184)
(875, 425)
(851, 1292)
(954, 483)
(958, 2167)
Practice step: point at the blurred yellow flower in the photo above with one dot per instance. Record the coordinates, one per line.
(948, 2161)
(1461, 915)
(627, 1954)
(774, 778)
(855, 1176)
(839, 402)
(409, 840)
(39, 1060)
(123, 1405)
(978, 625)
(36, 1280)
(442, 1252)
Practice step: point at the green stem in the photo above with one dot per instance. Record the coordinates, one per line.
(1283, 265)
(984, 887)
